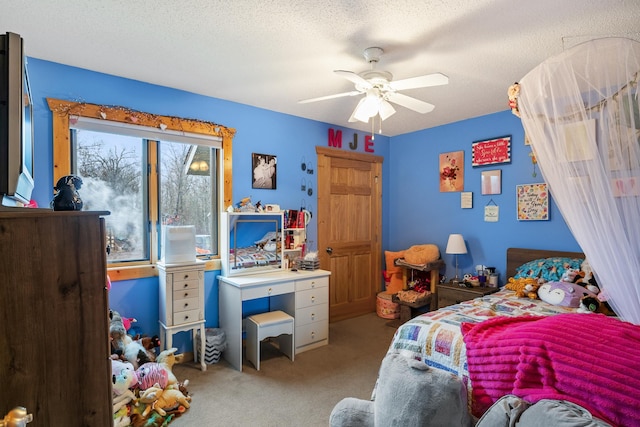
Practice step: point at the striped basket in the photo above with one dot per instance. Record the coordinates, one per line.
(215, 344)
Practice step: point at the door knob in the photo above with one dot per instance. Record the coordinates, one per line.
(329, 250)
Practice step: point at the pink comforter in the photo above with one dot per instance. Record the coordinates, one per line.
(589, 359)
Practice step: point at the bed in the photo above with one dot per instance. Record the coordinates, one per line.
(468, 339)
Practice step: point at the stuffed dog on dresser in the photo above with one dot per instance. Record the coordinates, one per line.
(67, 197)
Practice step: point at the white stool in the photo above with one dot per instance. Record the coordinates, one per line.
(265, 325)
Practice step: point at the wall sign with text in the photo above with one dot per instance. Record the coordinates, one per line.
(491, 151)
(533, 202)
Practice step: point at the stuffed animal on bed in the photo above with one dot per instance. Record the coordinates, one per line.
(524, 287)
(564, 294)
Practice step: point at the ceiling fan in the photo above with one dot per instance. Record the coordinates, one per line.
(380, 90)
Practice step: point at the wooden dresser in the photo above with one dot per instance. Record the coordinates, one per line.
(54, 357)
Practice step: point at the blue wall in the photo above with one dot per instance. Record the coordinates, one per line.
(414, 210)
(415, 196)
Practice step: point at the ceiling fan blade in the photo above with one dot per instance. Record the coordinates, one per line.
(337, 95)
(353, 77)
(409, 102)
(436, 79)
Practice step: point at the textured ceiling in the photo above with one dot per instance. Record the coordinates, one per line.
(273, 53)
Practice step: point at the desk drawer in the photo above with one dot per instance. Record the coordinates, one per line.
(267, 290)
(186, 284)
(186, 316)
(315, 313)
(307, 334)
(185, 304)
(312, 297)
(316, 282)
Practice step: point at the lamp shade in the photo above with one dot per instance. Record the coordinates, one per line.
(456, 245)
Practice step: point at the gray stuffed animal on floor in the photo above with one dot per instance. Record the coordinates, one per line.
(409, 394)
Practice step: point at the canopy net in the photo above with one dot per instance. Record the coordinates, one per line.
(581, 114)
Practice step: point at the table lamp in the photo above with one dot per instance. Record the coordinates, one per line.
(456, 246)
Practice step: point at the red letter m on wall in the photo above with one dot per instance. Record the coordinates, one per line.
(335, 138)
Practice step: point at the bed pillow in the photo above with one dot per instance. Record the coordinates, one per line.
(549, 269)
(393, 273)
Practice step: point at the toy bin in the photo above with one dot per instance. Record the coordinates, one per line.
(214, 345)
(386, 308)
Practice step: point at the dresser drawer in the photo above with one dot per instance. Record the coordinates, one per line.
(267, 290)
(186, 294)
(317, 282)
(315, 313)
(185, 304)
(186, 316)
(186, 284)
(308, 334)
(312, 297)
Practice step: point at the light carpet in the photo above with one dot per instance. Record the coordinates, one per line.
(285, 393)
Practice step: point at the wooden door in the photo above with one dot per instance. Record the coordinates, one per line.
(350, 229)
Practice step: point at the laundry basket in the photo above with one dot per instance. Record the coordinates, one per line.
(215, 344)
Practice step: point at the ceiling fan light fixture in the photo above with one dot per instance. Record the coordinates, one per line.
(386, 110)
(367, 107)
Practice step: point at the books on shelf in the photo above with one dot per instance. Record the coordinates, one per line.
(294, 218)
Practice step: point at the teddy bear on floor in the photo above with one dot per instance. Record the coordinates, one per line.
(163, 400)
(524, 287)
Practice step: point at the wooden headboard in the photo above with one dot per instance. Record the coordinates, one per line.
(518, 256)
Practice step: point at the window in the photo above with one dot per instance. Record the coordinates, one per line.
(146, 174)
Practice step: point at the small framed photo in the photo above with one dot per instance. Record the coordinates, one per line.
(264, 167)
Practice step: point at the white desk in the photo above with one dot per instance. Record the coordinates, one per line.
(302, 294)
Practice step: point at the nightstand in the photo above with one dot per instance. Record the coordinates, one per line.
(449, 294)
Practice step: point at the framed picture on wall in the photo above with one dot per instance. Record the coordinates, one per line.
(264, 168)
(533, 202)
(452, 171)
(492, 182)
(491, 151)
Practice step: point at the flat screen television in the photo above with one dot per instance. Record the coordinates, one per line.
(16, 123)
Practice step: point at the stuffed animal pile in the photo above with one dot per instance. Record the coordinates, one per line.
(149, 395)
(145, 390)
(576, 288)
